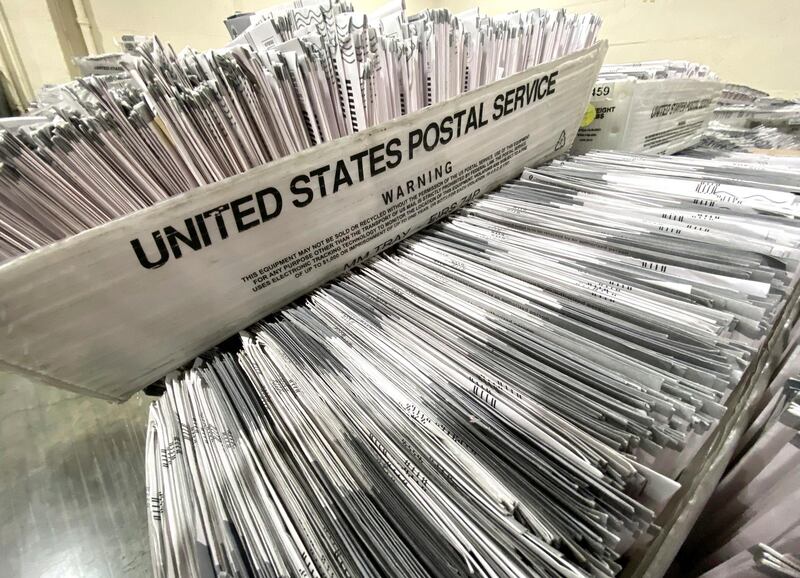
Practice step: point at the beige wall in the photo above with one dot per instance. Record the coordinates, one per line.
(745, 41)
(36, 40)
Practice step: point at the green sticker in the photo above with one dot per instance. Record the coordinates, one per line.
(589, 115)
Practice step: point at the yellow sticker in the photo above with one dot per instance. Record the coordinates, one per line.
(589, 115)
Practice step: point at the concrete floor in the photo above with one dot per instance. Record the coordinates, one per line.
(72, 489)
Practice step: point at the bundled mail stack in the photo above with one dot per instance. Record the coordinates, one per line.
(747, 118)
(654, 107)
(740, 94)
(189, 119)
(778, 168)
(779, 113)
(720, 136)
(510, 392)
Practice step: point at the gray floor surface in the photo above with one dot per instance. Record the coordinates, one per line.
(72, 489)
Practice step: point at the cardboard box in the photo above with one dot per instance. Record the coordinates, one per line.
(652, 116)
(113, 309)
